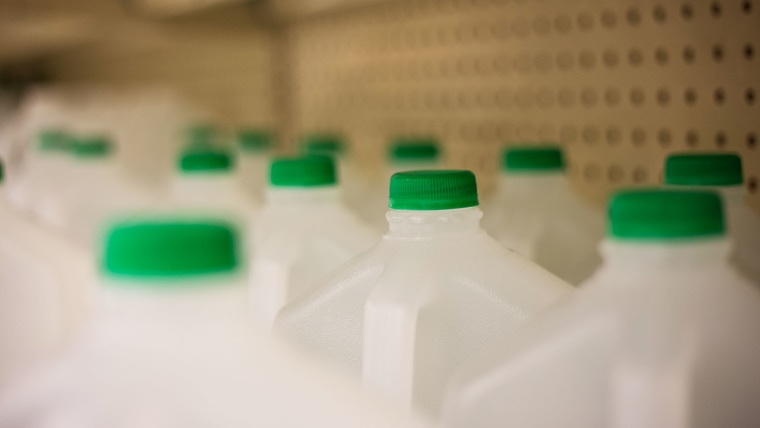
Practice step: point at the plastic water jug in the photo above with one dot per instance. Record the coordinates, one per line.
(206, 183)
(664, 334)
(99, 190)
(535, 213)
(46, 175)
(722, 172)
(354, 185)
(254, 154)
(303, 233)
(433, 293)
(45, 292)
(170, 347)
(404, 154)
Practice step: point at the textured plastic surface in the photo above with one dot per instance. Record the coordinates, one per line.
(300, 236)
(539, 216)
(657, 214)
(433, 190)
(432, 294)
(661, 336)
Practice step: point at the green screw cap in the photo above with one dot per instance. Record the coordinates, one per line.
(165, 248)
(2, 171)
(329, 145)
(414, 150)
(201, 135)
(533, 159)
(254, 141)
(704, 169)
(304, 171)
(662, 214)
(433, 190)
(205, 160)
(53, 141)
(92, 148)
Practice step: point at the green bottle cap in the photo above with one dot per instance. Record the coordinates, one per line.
(663, 214)
(433, 190)
(53, 141)
(92, 148)
(204, 161)
(201, 135)
(329, 145)
(166, 248)
(413, 150)
(704, 169)
(254, 141)
(304, 171)
(533, 159)
(2, 171)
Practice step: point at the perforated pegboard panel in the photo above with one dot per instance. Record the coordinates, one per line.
(619, 83)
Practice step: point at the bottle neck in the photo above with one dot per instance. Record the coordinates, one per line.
(531, 182)
(404, 224)
(683, 255)
(216, 299)
(303, 195)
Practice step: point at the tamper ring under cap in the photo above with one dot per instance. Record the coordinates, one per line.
(703, 169)
(167, 248)
(304, 171)
(663, 214)
(433, 190)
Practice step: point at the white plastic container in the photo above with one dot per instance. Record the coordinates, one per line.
(432, 294)
(535, 213)
(45, 292)
(303, 233)
(353, 183)
(722, 172)
(254, 153)
(404, 154)
(206, 183)
(663, 335)
(46, 175)
(171, 348)
(98, 190)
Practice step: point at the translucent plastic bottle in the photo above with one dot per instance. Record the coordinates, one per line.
(535, 213)
(404, 154)
(254, 155)
(44, 173)
(662, 335)
(98, 190)
(170, 347)
(303, 233)
(206, 182)
(45, 291)
(432, 294)
(722, 172)
(354, 185)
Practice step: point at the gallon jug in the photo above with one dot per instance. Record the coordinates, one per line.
(354, 185)
(206, 182)
(170, 347)
(433, 293)
(45, 292)
(99, 189)
(535, 213)
(303, 233)
(254, 155)
(722, 172)
(404, 154)
(664, 334)
(46, 177)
